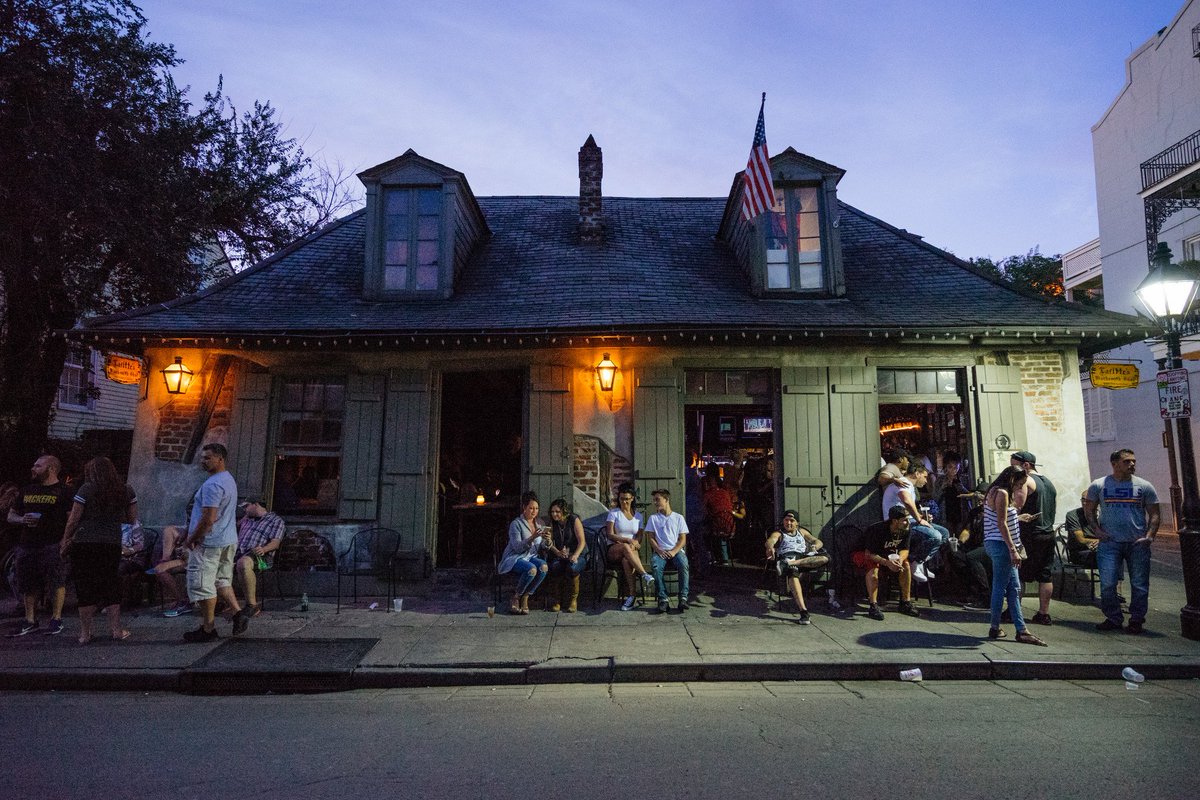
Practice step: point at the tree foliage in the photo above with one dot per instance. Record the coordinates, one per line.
(113, 182)
(1032, 271)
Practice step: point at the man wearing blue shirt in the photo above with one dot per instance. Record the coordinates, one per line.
(1122, 510)
(212, 542)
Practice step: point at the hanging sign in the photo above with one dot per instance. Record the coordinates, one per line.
(122, 369)
(1114, 376)
(1174, 394)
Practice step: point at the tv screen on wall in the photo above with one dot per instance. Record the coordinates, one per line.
(757, 425)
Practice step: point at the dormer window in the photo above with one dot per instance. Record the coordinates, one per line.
(793, 239)
(412, 227)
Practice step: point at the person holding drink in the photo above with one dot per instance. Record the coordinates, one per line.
(525, 539)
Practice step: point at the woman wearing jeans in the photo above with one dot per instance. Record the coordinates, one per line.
(525, 538)
(1002, 542)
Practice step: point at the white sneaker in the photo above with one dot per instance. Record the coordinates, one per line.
(628, 604)
(647, 579)
(918, 573)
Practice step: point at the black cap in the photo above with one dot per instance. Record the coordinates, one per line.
(897, 512)
(791, 513)
(1025, 456)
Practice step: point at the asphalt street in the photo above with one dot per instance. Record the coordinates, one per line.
(697, 740)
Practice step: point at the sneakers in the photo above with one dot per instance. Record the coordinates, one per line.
(1025, 637)
(25, 629)
(54, 628)
(241, 620)
(1134, 627)
(1041, 619)
(1108, 625)
(628, 604)
(200, 635)
(906, 607)
(647, 579)
(874, 613)
(662, 608)
(918, 573)
(683, 606)
(182, 607)
(804, 619)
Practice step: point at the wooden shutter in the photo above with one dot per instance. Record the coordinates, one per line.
(658, 455)
(854, 437)
(249, 427)
(999, 406)
(805, 443)
(362, 436)
(549, 433)
(406, 488)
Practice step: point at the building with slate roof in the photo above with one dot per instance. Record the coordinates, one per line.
(419, 363)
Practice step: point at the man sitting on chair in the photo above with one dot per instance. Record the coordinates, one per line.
(794, 550)
(259, 534)
(886, 547)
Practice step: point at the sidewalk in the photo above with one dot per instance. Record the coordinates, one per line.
(730, 634)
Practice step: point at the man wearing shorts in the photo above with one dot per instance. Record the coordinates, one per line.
(795, 550)
(1040, 500)
(212, 542)
(41, 510)
(886, 548)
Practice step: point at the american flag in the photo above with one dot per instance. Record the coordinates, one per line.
(758, 193)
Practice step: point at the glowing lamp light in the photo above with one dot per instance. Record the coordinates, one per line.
(606, 371)
(177, 376)
(480, 499)
(1169, 290)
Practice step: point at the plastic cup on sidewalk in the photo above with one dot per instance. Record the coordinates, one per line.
(397, 604)
(1132, 675)
(912, 675)
(491, 611)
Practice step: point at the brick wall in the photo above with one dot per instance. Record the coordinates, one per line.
(177, 420)
(1041, 380)
(597, 470)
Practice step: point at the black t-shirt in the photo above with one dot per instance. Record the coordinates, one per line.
(1076, 521)
(975, 524)
(53, 502)
(1045, 502)
(879, 539)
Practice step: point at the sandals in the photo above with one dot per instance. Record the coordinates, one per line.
(997, 633)
(1025, 637)
(121, 636)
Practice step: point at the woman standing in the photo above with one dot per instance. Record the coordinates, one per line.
(1002, 543)
(568, 557)
(624, 531)
(525, 538)
(93, 540)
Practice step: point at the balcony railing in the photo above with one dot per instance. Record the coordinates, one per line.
(1171, 161)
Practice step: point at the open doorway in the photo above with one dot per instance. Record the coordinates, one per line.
(737, 444)
(479, 464)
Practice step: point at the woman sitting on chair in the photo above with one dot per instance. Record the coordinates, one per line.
(795, 550)
(624, 531)
(568, 557)
(525, 538)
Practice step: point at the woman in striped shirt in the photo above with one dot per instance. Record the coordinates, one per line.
(1002, 542)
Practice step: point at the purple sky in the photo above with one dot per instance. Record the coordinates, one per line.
(968, 123)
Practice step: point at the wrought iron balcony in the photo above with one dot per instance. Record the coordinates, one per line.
(1172, 161)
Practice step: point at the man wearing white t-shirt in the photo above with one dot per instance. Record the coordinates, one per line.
(668, 536)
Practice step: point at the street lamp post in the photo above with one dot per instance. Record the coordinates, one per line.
(1168, 293)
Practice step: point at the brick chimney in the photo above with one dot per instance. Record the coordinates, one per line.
(591, 170)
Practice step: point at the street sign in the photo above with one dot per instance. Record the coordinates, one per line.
(1114, 376)
(122, 369)
(1174, 394)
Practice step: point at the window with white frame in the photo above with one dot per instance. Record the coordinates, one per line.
(1191, 249)
(76, 389)
(794, 239)
(411, 239)
(1098, 414)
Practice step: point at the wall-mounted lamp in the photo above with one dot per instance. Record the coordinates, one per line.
(480, 500)
(177, 376)
(606, 371)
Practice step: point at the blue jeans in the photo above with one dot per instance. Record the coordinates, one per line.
(925, 542)
(1005, 581)
(530, 573)
(658, 564)
(563, 566)
(1110, 557)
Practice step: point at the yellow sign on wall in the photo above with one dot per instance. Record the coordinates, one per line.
(1114, 376)
(122, 369)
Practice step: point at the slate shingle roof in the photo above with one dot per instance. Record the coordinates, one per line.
(660, 268)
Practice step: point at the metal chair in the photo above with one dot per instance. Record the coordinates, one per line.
(301, 551)
(1065, 565)
(372, 553)
(604, 571)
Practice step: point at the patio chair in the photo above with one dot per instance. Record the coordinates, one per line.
(301, 551)
(1077, 572)
(372, 553)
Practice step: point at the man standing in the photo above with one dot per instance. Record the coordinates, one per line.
(1122, 510)
(259, 534)
(41, 510)
(886, 547)
(1040, 503)
(669, 532)
(212, 541)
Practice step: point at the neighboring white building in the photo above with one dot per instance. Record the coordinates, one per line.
(1146, 149)
(88, 401)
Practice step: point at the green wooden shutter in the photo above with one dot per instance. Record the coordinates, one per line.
(549, 433)
(407, 490)
(249, 427)
(999, 411)
(658, 455)
(805, 443)
(854, 436)
(362, 435)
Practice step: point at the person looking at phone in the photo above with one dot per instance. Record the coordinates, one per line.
(1036, 501)
(526, 536)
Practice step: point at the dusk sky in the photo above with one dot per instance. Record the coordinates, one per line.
(968, 123)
